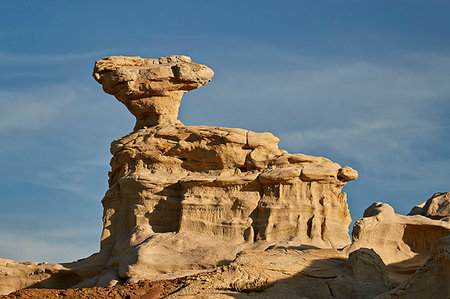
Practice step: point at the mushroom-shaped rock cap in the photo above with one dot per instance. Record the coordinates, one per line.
(151, 89)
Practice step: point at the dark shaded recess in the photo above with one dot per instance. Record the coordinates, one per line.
(165, 217)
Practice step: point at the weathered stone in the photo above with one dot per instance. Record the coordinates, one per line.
(432, 280)
(186, 198)
(207, 185)
(437, 207)
(403, 242)
(151, 89)
(183, 199)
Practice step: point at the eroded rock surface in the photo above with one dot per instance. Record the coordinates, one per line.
(151, 89)
(295, 273)
(403, 242)
(182, 199)
(437, 207)
(432, 280)
(208, 192)
(188, 199)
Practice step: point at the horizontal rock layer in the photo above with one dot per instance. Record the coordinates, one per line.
(225, 183)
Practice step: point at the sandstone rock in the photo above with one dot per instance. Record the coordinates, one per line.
(151, 89)
(432, 280)
(368, 267)
(230, 208)
(403, 242)
(437, 207)
(173, 179)
(347, 174)
(294, 273)
(183, 199)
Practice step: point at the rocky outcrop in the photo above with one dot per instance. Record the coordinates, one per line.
(241, 215)
(189, 197)
(437, 207)
(151, 89)
(294, 273)
(432, 280)
(403, 242)
(392, 256)
(182, 199)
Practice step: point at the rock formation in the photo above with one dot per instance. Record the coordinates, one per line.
(229, 207)
(190, 197)
(437, 207)
(403, 242)
(151, 89)
(432, 280)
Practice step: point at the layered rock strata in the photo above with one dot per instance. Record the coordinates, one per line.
(392, 256)
(197, 185)
(186, 199)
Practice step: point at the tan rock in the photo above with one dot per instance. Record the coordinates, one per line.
(217, 189)
(347, 174)
(368, 267)
(183, 199)
(294, 273)
(437, 207)
(403, 242)
(432, 280)
(151, 89)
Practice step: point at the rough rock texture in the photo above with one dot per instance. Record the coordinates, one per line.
(140, 290)
(437, 207)
(189, 197)
(432, 280)
(294, 273)
(403, 242)
(15, 276)
(151, 89)
(229, 208)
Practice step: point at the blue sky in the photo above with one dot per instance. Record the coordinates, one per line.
(364, 83)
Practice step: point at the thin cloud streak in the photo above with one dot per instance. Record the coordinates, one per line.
(26, 110)
(71, 178)
(39, 249)
(7, 58)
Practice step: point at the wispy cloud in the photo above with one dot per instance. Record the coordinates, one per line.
(31, 110)
(37, 246)
(73, 177)
(8, 58)
(383, 116)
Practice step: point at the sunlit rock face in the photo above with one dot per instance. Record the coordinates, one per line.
(183, 199)
(151, 89)
(437, 207)
(217, 189)
(404, 243)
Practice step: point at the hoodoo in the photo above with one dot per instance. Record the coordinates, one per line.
(185, 199)
(190, 197)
